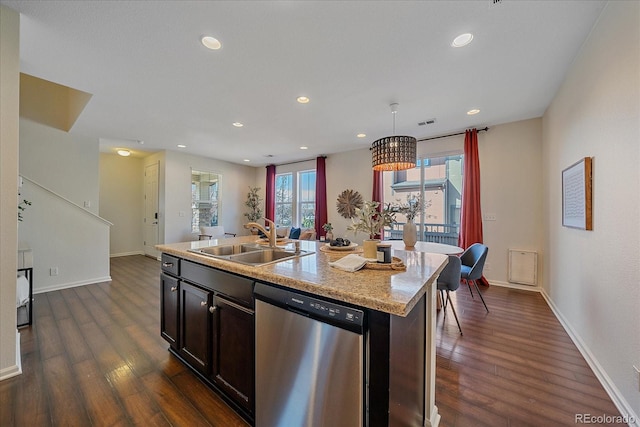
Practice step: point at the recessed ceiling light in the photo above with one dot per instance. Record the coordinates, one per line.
(124, 153)
(361, 135)
(462, 40)
(182, 146)
(303, 99)
(238, 124)
(472, 112)
(211, 42)
(303, 147)
(246, 160)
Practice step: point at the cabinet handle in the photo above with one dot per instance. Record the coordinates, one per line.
(213, 309)
(174, 288)
(167, 264)
(203, 303)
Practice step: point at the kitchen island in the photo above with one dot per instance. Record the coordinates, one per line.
(208, 319)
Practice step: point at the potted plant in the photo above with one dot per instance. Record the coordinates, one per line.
(254, 203)
(328, 228)
(371, 221)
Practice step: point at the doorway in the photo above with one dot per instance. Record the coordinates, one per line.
(150, 233)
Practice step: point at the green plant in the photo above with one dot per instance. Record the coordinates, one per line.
(327, 227)
(22, 206)
(413, 207)
(254, 203)
(371, 221)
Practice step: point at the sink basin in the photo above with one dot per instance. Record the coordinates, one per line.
(225, 250)
(249, 254)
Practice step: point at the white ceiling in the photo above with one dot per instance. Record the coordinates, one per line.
(152, 80)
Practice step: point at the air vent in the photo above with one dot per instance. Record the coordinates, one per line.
(496, 1)
(427, 122)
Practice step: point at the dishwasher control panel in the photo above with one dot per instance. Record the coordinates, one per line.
(325, 309)
(330, 312)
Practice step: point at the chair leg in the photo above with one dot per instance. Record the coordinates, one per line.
(478, 289)
(466, 281)
(444, 301)
(454, 312)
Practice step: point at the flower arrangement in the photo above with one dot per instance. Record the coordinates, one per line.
(327, 227)
(413, 207)
(369, 220)
(254, 204)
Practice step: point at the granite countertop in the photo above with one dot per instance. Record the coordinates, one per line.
(391, 291)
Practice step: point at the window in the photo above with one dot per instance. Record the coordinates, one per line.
(442, 193)
(295, 202)
(307, 199)
(284, 200)
(205, 188)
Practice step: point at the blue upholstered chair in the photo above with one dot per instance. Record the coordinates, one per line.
(473, 259)
(449, 280)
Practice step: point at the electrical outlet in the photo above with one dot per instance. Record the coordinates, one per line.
(637, 371)
(489, 217)
(87, 203)
(487, 266)
(53, 271)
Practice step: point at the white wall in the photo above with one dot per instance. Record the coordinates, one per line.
(592, 276)
(60, 231)
(122, 202)
(9, 130)
(175, 193)
(64, 162)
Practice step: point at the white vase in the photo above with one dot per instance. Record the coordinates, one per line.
(328, 236)
(370, 247)
(409, 235)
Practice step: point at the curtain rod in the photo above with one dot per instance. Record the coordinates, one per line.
(451, 134)
(297, 161)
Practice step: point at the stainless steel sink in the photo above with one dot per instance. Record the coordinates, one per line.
(249, 254)
(224, 250)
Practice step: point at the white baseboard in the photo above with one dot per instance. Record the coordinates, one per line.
(16, 369)
(623, 406)
(71, 285)
(126, 254)
(515, 286)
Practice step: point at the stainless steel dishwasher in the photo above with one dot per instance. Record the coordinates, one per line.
(309, 361)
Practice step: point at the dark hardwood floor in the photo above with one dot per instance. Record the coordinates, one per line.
(94, 356)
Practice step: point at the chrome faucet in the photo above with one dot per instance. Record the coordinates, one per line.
(270, 234)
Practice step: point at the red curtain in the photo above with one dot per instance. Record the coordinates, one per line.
(270, 194)
(378, 192)
(471, 214)
(321, 196)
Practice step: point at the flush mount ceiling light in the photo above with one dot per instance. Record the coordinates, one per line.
(124, 153)
(462, 40)
(303, 99)
(304, 148)
(361, 135)
(238, 124)
(472, 112)
(211, 42)
(246, 160)
(182, 146)
(393, 153)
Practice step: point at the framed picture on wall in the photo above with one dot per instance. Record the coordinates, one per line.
(576, 195)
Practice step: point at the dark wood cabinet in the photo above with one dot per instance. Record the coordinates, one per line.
(208, 319)
(195, 326)
(169, 291)
(232, 366)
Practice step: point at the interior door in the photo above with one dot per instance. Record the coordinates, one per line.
(151, 210)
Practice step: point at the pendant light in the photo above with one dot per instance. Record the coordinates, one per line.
(393, 153)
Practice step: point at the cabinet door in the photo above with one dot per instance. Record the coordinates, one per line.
(195, 326)
(169, 309)
(233, 350)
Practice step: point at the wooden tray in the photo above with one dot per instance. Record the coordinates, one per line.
(396, 264)
(343, 250)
